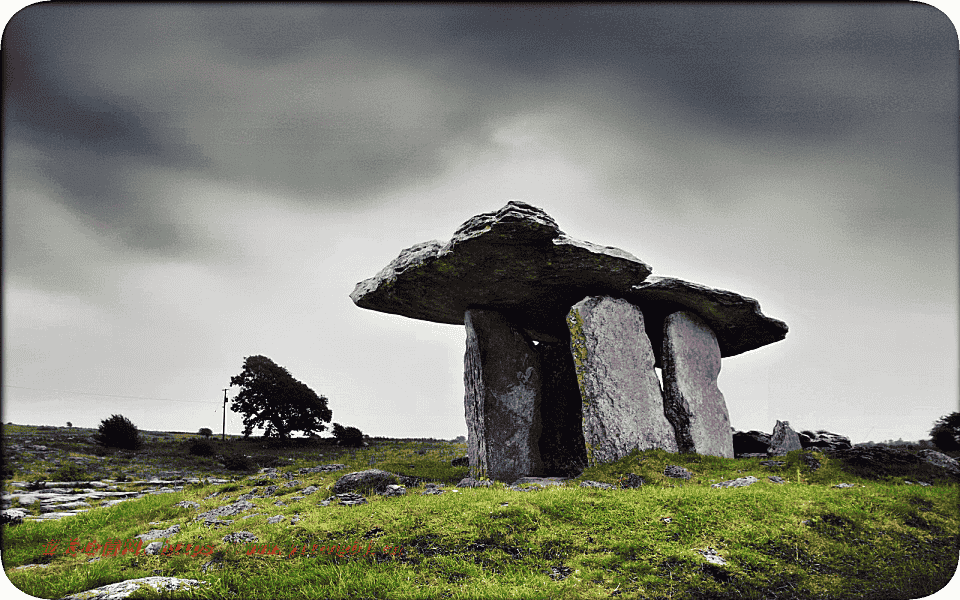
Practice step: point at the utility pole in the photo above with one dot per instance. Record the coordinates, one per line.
(223, 435)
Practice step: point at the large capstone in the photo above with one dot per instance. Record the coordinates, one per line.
(736, 321)
(622, 401)
(514, 260)
(692, 401)
(502, 398)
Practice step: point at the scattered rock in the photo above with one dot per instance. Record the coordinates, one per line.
(187, 504)
(597, 484)
(630, 481)
(275, 519)
(750, 442)
(810, 461)
(225, 511)
(153, 548)
(776, 479)
(432, 489)
(158, 533)
(741, 482)
(371, 480)
(240, 537)
(824, 441)
(783, 440)
(772, 463)
(394, 490)
(351, 499)
(844, 485)
(939, 459)
(468, 482)
(13, 516)
(323, 468)
(123, 589)
(711, 555)
(677, 472)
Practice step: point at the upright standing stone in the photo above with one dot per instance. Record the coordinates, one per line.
(783, 440)
(561, 439)
(622, 402)
(692, 401)
(502, 399)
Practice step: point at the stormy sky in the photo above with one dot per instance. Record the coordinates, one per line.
(185, 186)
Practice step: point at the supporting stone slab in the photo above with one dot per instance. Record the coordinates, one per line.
(502, 398)
(692, 401)
(622, 402)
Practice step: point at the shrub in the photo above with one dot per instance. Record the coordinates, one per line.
(201, 447)
(946, 433)
(347, 436)
(70, 472)
(205, 432)
(237, 462)
(118, 432)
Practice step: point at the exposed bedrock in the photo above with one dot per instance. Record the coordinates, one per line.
(622, 401)
(502, 398)
(692, 401)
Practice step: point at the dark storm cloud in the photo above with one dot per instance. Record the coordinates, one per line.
(228, 92)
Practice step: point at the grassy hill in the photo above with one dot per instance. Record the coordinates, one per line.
(881, 538)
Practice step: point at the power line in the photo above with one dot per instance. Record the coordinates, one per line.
(22, 387)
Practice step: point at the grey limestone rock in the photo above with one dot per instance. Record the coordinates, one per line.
(502, 398)
(468, 482)
(226, 511)
(240, 537)
(677, 472)
(514, 259)
(187, 504)
(736, 320)
(750, 442)
(622, 402)
(394, 490)
(939, 459)
(153, 548)
(596, 484)
(824, 441)
(631, 480)
(275, 519)
(13, 516)
(351, 499)
(371, 480)
(541, 481)
(739, 482)
(692, 401)
(123, 589)
(783, 440)
(776, 479)
(155, 534)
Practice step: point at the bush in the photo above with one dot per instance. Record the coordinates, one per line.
(118, 432)
(70, 472)
(205, 432)
(201, 447)
(237, 462)
(946, 433)
(347, 436)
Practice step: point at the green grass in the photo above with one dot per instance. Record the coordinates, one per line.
(804, 539)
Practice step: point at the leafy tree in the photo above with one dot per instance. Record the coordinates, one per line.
(271, 397)
(118, 432)
(69, 424)
(205, 432)
(946, 432)
(347, 436)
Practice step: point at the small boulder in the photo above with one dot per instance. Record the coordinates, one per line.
(677, 472)
(240, 537)
(750, 442)
(630, 481)
(469, 482)
(124, 589)
(824, 441)
(371, 480)
(939, 459)
(741, 482)
(394, 490)
(783, 440)
(13, 516)
(596, 484)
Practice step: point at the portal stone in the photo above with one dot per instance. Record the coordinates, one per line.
(561, 412)
(622, 402)
(502, 399)
(692, 401)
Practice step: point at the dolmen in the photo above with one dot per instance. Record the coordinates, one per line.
(562, 341)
